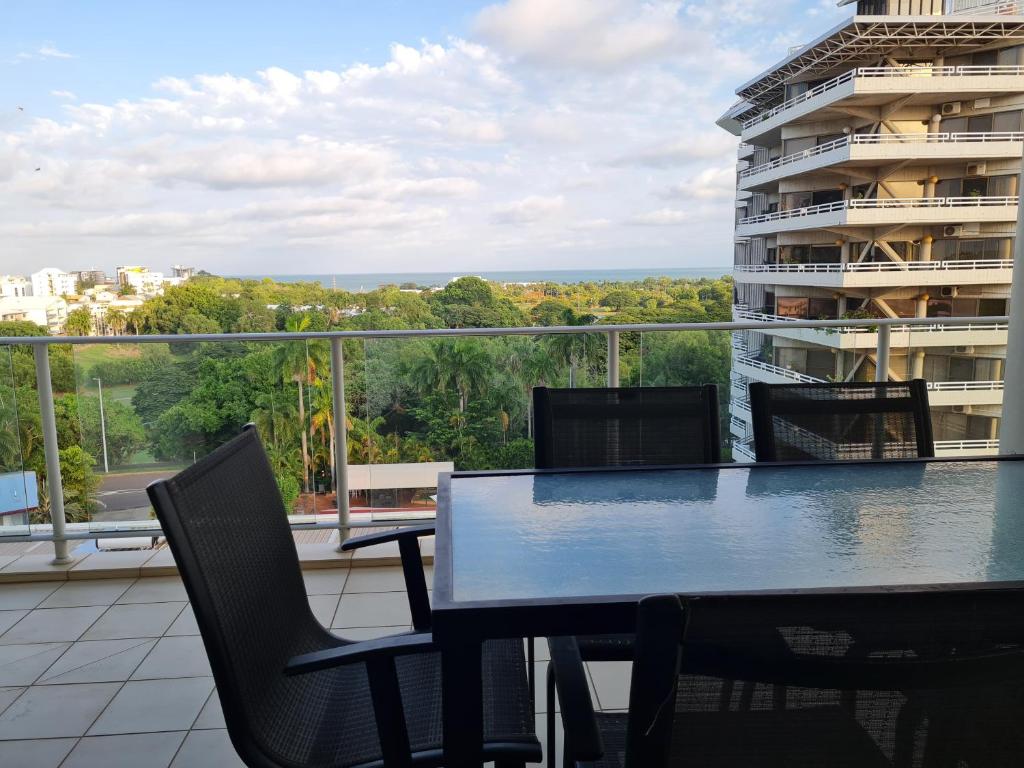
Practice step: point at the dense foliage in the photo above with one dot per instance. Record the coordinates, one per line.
(465, 399)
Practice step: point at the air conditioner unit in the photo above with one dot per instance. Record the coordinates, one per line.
(967, 349)
(953, 230)
(951, 108)
(949, 291)
(976, 169)
(961, 409)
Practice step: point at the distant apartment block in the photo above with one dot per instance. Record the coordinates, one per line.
(92, 276)
(54, 282)
(50, 312)
(184, 273)
(140, 280)
(878, 177)
(14, 286)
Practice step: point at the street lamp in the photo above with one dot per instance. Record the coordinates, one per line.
(103, 427)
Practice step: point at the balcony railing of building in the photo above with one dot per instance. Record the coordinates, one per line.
(879, 266)
(875, 139)
(60, 531)
(883, 72)
(888, 203)
(938, 328)
(984, 7)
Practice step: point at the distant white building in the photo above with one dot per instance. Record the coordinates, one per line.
(14, 286)
(54, 282)
(101, 303)
(183, 272)
(140, 280)
(51, 312)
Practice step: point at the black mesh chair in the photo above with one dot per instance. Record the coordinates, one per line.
(293, 693)
(941, 685)
(646, 426)
(843, 421)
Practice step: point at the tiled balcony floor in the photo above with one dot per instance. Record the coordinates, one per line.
(112, 672)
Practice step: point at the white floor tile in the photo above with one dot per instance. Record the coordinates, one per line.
(146, 706)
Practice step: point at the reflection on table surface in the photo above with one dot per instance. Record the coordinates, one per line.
(710, 530)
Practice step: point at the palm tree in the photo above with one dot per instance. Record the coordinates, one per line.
(116, 321)
(321, 420)
(574, 349)
(458, 364)
(298, 363)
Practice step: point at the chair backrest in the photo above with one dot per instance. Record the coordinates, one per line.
(646, 426)
(652, 690)
(228, 529)
(930, 678)
(852, 420)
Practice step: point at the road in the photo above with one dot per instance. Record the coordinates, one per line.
(122, 496)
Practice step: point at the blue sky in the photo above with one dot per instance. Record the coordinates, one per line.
(316, 136)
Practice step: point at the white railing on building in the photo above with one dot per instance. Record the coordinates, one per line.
(965, 446)
(742, 450)
(877, 139)
(965, 386)
(886, 203)
(742, 314)
(984, 8)
(60, 534)
(879, 266)
(887, 72)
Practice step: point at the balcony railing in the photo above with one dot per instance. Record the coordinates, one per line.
(878, 139)
(60, 531)
(910, 203)
(938, 328)
(984, 8)
(877, 72)
(880, 266)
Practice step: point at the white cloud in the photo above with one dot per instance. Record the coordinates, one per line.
(45, 51)
(686, 149)
(585, 33)
(66, 95)
(717, 183)
(662, 217)
(529, 210)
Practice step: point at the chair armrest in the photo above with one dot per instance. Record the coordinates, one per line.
(415, 531)
(582, 737)
(412, 567)
(368, 650)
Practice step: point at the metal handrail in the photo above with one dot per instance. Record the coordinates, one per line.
(61, 535)
(873, 139)
(885, 203)
(937, 328)
(875, 72)
(879, 266)
(983, 7)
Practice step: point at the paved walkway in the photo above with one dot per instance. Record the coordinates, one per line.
(111, 673)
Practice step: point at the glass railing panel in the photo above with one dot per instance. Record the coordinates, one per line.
(963, 364)
(20, 438)
(688, 358)
(164, 406)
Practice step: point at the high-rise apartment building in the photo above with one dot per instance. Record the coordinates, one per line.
(878, 177)
(54, 282)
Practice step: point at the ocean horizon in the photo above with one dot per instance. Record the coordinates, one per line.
(372, 280)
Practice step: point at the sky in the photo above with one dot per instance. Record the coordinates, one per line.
(336, 136)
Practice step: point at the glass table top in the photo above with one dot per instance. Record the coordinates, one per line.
(516, 537)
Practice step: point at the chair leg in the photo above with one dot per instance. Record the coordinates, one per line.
(531, 655)
(550, 715)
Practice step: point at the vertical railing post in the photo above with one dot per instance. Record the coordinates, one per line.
(613, 358)
(48, 420)
(340, 438)
(1011, 428)
(882, 357)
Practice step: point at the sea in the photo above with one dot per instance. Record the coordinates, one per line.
(373, 280)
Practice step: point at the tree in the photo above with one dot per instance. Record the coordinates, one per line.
(78, 421)
(78, 322)
(79, 482)
(459, 364)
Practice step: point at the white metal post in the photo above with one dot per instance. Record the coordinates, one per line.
(882, 357)
(340, 438)
(1011, 430)
(613, 358)
(48, 420)
(103, 428)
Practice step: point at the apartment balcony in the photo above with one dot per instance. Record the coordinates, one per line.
(872, 88)
(850, 339)
(869, 150)
(883, 212)
(886, 274)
